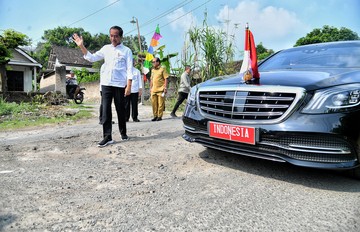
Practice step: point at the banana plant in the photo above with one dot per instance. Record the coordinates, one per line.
(165, 60)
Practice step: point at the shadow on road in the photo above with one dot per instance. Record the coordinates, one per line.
(313, 178)
(5, 220)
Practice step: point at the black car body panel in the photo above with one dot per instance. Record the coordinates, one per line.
(307, 115)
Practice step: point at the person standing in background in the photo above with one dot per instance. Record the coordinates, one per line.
(184, 89)
(158, 89)
(132, 100)
(115, 80)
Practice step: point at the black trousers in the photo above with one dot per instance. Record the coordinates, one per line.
(132, 104)
(100, 110)
(182, 96)
(108, 93)
(70, 89)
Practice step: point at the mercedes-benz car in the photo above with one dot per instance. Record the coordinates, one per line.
(304, 109)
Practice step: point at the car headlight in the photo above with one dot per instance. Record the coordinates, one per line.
(333, 100)
(191, 100)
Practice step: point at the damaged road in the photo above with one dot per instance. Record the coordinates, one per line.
(55, 178)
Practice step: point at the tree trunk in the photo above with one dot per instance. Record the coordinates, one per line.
(3, 79)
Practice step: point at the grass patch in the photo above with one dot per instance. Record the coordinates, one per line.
(170, 103)
(16, 116)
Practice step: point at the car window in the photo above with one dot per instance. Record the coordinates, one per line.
(315, 57)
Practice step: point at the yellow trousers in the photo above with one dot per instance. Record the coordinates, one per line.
(158, 104)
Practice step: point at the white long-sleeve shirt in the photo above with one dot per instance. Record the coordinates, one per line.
(136, 83)
(117, 67)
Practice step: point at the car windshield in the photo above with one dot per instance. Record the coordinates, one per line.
(341, 55)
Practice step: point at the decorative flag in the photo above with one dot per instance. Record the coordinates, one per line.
(249, 67)
(149, 54)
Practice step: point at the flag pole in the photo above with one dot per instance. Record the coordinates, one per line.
(247, 75)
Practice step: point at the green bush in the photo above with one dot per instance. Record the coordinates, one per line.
(7, 108)
(14, 115)
(84, 76)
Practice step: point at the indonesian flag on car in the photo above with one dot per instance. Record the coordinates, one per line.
(249, 67)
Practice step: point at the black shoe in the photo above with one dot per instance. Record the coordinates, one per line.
(136, 120)
(106, 141)
(124, 138)
(173, 115)
(154, 119)
(159, 119)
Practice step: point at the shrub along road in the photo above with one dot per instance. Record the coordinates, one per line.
(55, 179)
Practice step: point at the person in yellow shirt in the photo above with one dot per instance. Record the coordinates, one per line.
(158, 88)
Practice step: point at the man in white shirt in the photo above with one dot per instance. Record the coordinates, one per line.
(115, 80)
(133, 98)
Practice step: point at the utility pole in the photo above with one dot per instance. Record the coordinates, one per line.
(135, 20)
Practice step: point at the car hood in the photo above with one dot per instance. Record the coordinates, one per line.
(310, 80)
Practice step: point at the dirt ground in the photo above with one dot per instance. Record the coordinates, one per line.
(55, 178)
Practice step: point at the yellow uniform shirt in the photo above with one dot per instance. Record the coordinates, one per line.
(158, 77)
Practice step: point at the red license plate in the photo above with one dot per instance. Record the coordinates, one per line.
(236, 133)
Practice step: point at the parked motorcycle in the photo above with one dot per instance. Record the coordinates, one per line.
(73, 89)
(77, 95)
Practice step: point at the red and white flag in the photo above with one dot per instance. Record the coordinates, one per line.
(249, 67)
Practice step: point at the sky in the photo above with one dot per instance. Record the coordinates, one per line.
(277, 24)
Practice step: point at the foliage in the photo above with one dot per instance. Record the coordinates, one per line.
(97, 41)
(263, 52)
(21, 115)
(83, 75)
(194, 36)
(62, 36)
(165, 60)
(38, 99)
(207, 52)
(213, 48)
(14, 108)
(327, 34)
(42, 53)
(9, 40)
(132, 42)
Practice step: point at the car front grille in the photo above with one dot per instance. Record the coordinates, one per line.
(265, 104)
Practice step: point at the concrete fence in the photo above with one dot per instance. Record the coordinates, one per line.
(92, 92)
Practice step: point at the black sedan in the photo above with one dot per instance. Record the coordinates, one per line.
(303, 110)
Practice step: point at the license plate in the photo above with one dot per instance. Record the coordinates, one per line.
(230, 132)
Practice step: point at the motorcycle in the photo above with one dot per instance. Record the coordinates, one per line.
(77, 95)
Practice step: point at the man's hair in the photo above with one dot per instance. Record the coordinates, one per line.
(157, 59)
(187, 67)
(120, 30)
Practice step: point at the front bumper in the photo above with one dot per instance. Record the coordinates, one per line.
(303, 140)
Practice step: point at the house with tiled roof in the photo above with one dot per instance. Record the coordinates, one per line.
(21, 72)
(61, 61)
